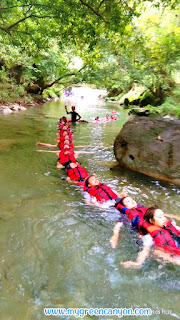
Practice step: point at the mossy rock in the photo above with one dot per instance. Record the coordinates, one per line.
(114, 92)
(133, 94)
(146, 98)
(141, 112)
(139, 96)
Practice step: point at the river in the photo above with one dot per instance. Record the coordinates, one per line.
(55, 250)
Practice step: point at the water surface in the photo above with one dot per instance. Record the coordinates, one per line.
(55, 250)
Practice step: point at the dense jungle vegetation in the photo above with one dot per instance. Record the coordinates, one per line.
(47, 46)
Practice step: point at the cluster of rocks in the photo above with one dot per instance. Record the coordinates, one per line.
(9, 109)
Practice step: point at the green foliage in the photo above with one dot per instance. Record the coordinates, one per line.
(171, 107)
(10, 92)
(28, 99)
(49, 93)
(70, 21)
(148, 51)
(172, 104)
(3, 75)
(116, 43)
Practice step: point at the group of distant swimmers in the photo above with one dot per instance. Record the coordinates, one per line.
(107, 118)
(151, 223)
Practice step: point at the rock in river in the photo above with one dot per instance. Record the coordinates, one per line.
(150, 146)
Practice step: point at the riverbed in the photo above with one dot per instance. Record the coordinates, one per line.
(55, 249)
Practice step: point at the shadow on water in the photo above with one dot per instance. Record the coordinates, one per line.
(55, 250)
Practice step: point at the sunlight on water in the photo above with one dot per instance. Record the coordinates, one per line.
(55, 249)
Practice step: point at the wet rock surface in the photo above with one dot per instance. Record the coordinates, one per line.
(150, 146)
(9, 109)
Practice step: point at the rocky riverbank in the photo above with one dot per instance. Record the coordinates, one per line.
(14, 107)
(6, 109)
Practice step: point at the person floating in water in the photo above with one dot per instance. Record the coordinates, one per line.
(99, 194)
(132, 210)
(162, 235)
(107, 118)
(158, 230)
(96, 119)
(75, 172)
(114, 117)
(74, 115)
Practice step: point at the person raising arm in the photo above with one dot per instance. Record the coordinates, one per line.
(74, 115)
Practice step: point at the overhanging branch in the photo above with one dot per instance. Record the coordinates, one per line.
(93, 10)
(60, 78)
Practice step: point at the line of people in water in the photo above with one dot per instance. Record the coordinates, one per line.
(151, 224)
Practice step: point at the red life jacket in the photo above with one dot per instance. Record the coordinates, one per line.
(102, 193)
(132, 213)
(60, 125)
(163, 237)
(63, 150)
(64, 158)
(79, 173)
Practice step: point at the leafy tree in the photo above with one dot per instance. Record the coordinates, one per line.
(117, 42)
(148, 51)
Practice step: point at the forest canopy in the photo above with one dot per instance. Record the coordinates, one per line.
(46, 46)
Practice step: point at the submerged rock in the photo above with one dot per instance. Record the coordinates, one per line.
(150, 146)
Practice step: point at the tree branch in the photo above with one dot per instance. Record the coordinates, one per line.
(5, 30)
(64, 76)
(93, 10)
(23, 19)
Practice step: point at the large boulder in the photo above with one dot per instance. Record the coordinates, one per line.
(150, 146)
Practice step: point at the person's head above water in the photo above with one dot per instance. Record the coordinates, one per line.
(66, 141)
(128, 202)
(155, 216)
(73, 165)
(65, 133)
(92, 181)
(63, 120)
(65, 127)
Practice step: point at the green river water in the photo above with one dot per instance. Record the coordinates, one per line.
(55, 250)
